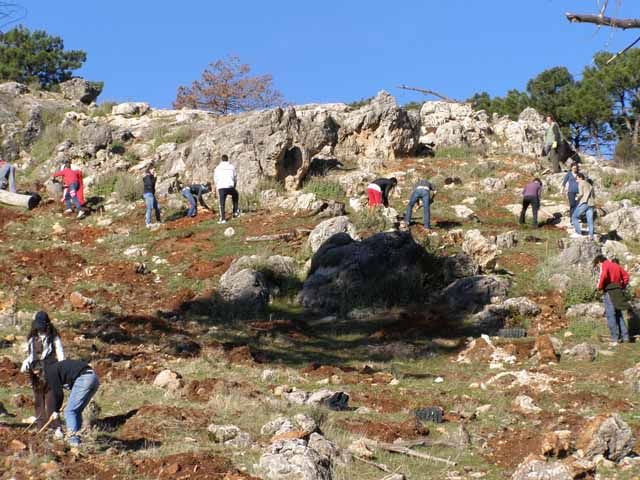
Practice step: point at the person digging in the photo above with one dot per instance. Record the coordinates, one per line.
(79, 377)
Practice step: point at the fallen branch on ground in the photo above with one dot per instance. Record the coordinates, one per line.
(390, 447)
(379, 466)
(272, 238)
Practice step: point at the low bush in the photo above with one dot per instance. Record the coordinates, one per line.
(44, 147)
(581, 289)
(127, 186)
(371, 219)
(103, 109)
(179, 135)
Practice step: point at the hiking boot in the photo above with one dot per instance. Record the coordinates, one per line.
(222, 220)
(80, 214)
(236, 214)
(68, 210)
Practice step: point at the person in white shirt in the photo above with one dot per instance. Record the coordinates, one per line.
(43, 346)
(225, 179)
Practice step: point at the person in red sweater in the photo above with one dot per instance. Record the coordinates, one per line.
(72, 180)
(613, 280)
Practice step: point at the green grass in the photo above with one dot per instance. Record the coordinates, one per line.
(458, 153)
(103, 109)
(178, 135)
(371, 219)
(325, 189)
(128, 187)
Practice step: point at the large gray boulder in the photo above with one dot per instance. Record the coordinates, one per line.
(96, 135)
(577, 252)
(482, 250)
(609, 436)
(293, 460)
(276, 271)
(245, 289)
(533, 468)
(386, 268)
(326, 229)
(625, 222)
(81, 90)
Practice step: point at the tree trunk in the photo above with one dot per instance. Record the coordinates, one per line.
(18, 200)
(596, 139)
(634, 136)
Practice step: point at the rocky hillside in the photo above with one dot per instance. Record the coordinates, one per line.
(311, 338)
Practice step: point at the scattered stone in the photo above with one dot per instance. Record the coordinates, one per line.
(606, 435)
(268, 375)
(471, 294)
(58, 229)
(361, 448)
(583, 311)
(540, 382)
(525, 404)
(17, 445)
(506, 240)
(583, 352)
(557, 444)
(632, 375)
(130, 108)
(522, 306)
(246, 289)
(80, 302)
(293, 459)
(493, 184)
(229, 232)
(464, 212)
(545, 350)
(229, 435)
(135, 251)
(481, 249)
(536, 468)
(169, 380)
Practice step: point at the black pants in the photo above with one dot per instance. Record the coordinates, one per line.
(222, 196)
(535, 205)
(44, 401)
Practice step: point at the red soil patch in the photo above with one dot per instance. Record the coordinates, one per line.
(8, 215)
(386, 432)
(190, 466)
(508, 448)
(523, 261)
(383, 402)
(10, 373)
(202, 390)
(86, 235)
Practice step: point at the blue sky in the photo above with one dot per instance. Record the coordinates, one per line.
(327, 51)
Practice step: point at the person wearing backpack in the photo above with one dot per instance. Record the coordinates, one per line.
(425, 192)
(613, 280)
(586, 202)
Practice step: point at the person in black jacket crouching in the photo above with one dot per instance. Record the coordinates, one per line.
(79, 377)
(149, 195)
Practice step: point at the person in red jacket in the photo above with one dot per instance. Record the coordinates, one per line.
(613, 280)
(72, 180)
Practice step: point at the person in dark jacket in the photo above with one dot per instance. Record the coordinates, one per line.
(423, 191)
(612, 281)
(149, 195)
(552, 139)
(43, 346)
(193, 194)
(531, 196)
(379, 190)
(79, 377)
(570, 185)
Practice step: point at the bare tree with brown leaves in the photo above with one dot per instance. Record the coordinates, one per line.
(226, 87)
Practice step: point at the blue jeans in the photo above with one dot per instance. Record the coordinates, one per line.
(71, 195)
(573, 202)
(8, 174)
(83, 390)
(193, 205)
(615, 321)
(152, 204)
(420, 193)
(577, 213)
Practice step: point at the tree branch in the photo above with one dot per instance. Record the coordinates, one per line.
(429, 92)
(622, 23)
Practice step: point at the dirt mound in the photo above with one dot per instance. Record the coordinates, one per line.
(152, 422)
(510, 447)
(190, 466)
(10, 373)
(202, 390)
(386, 432)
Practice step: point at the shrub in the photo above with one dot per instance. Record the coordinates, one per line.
(371, 219)
(581, 289)
(324, 188)
(44, 147)
(483, 170)
(269, 183)
(131, 158)
(360, 103)
(249, 202)
(128, 187)
(117, 147)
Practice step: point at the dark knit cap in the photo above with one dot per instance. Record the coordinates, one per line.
(41, 321)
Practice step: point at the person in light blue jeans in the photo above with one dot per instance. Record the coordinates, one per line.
(424, 191)
(7, 176)
(586, 201)
(79, 377)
